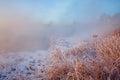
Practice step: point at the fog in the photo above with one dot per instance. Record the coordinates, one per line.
(21, 34)
(19, 31)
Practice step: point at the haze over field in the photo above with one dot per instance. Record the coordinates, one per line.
(30, 25)
(59, 39)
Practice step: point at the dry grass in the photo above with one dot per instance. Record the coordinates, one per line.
(98, 59)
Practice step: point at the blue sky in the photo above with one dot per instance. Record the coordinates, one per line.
(63, 10)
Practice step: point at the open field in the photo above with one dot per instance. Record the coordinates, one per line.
(94, 59)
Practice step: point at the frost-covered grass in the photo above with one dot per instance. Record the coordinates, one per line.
(23, 65)
(95, 59)
(98, 59)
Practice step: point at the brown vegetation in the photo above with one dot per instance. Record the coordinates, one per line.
(98, 59)
(95, 59)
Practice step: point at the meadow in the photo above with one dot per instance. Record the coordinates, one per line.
(95, 59)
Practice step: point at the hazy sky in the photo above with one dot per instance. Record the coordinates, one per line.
(30, 24)
(62, 10)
